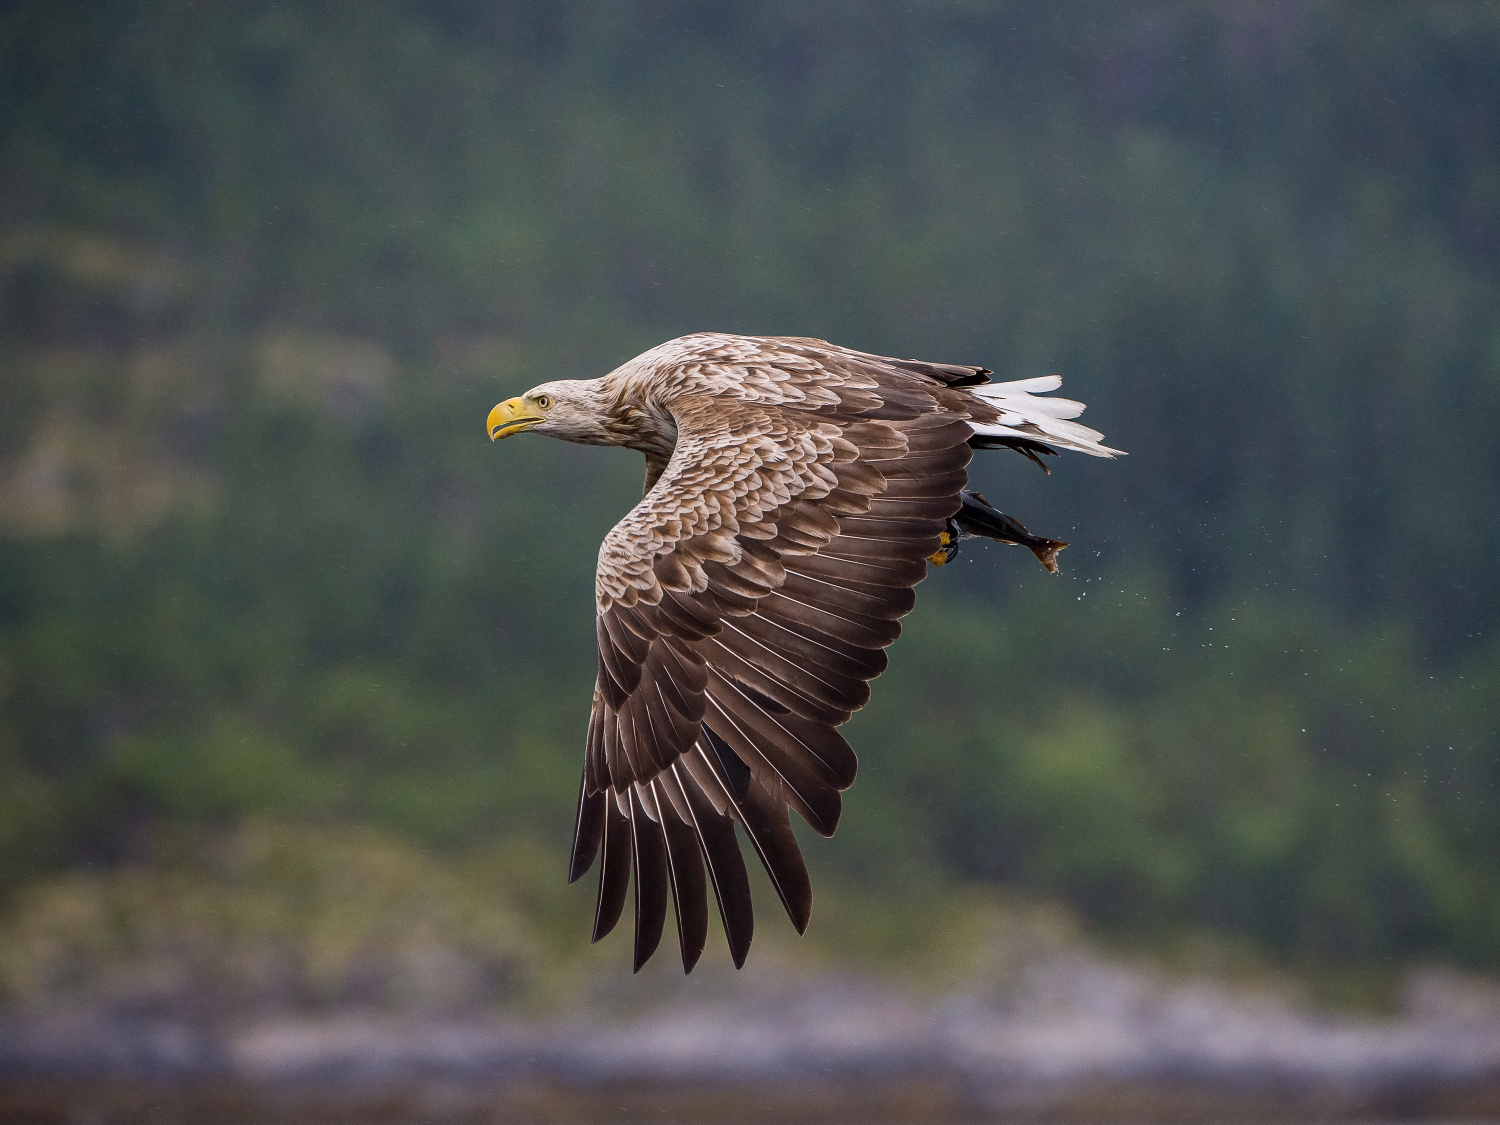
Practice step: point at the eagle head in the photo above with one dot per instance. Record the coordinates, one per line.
(566, 408)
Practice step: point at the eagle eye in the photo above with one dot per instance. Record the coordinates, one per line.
(544, 401)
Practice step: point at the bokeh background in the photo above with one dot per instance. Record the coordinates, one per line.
(295, 665)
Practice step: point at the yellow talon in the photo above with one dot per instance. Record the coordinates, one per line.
(946, 550)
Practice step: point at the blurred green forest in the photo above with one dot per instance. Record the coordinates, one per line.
(264, 267)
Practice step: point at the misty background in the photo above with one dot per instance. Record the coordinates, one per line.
(292, 657)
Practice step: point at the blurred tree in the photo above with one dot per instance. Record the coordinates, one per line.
(263, 268)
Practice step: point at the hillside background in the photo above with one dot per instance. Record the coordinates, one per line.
(276, 618)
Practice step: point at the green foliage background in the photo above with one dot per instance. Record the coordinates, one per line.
(264, 268)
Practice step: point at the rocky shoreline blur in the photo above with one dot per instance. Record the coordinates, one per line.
(1074, 1037)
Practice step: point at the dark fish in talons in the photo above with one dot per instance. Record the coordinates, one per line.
(979, 518)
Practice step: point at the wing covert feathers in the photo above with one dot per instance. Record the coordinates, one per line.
(746, 603)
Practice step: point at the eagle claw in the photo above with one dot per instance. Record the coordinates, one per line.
(947, 545)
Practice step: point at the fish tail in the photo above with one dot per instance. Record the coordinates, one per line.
(979, 517)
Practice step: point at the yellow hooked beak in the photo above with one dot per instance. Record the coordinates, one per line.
(510, 417)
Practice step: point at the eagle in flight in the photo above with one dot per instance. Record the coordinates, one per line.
(795, 493)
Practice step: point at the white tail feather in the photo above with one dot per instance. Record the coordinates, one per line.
(1024, 415)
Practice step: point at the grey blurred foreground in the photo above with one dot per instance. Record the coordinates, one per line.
(1070, 1035)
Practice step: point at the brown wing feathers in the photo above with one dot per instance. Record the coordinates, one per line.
(718, 705)
(651, 876)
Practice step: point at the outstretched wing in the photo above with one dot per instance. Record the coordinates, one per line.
(743, 607)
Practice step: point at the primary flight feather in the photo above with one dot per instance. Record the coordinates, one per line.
(795, 493)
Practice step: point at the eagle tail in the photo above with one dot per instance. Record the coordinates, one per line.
(1032, 424)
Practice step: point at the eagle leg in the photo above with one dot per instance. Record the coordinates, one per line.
(948, 541)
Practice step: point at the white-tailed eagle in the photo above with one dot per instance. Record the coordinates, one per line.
(795, 493)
